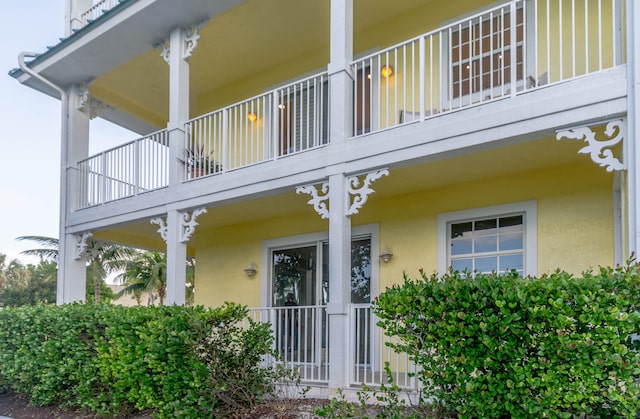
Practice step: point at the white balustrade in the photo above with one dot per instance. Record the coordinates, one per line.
(281, 122)
(480, 58)
(139, 166)
(301, 339)
(368, 352)
(96, 11)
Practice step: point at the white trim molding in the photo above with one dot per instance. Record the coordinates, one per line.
(528, 208)
(599, 150)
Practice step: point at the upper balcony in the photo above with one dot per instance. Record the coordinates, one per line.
(259, 90)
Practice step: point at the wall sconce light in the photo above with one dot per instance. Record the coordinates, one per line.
(386, 71)
(251, 116)
(251, 270)
(282, 106)
(386, 254)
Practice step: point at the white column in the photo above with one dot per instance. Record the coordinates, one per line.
(339, 283)
(341, 127)
(176, 260)
(74, 147)
(340, 75)
(178, 115)
(632, 152)
(178, 104)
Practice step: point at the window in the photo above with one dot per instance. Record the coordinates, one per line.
(492, 239)
(481, 54)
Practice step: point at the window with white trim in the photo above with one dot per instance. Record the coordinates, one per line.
(491, 239)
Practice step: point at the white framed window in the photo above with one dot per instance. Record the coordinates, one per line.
(490, 239)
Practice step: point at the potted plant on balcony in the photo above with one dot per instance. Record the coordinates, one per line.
(199, 163)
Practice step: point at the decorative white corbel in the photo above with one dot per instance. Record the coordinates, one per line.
(189, 223)
(599, 150)
(88, 104)
(191, 38)
(165, 51)
(360, 192)
(319, 197)
(82, 241)
(163, 229)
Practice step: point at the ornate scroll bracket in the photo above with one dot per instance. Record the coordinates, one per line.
(600, 150)
(82, 241)
(360, 191)
(189, 223)
(163, 229)
(191, 36)
(89, 105)
(319, 197)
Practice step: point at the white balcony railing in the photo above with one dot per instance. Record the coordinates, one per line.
(302, 341)
(139, 166)
(369, 353)
(96, 11)
(281, 122)
(504, 51)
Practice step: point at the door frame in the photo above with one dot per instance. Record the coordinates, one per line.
(266, 284)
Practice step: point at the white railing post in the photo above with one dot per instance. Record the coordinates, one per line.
(513, 47)
(275, 129)
(421, 80)
(103, 193)
(225, 140)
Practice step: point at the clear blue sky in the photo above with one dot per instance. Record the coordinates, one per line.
(30, 136)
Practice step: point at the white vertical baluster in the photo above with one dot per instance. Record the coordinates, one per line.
(513, 48)
(573, 38)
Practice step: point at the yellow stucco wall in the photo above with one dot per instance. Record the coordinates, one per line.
(575, 229)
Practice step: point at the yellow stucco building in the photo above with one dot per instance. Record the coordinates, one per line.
(307, 153)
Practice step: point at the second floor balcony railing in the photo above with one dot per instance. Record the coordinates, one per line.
(139, 166)
(504, 51)
(97, 10)
(278, 123)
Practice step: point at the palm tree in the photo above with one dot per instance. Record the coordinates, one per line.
(106, 258)
(48, 252)
(146, 272)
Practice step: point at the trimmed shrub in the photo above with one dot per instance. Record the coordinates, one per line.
(507, 346)
(112, 359)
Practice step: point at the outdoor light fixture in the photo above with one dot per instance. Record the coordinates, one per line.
(386, 254)
(386, 71)
(282, 106)
(251, 270)
(251, 116)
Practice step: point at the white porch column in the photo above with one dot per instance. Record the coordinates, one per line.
(74, 147)
(339, 283)
(178, 103)
(632, 152)
(341, 127)
(176, 260)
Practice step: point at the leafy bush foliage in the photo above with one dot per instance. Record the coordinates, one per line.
(506, 346)
(177, 361)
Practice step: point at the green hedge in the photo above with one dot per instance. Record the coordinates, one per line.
(504, 346)
(111, 359)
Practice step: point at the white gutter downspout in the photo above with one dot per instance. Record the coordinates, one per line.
(633, 90)
(64, 99)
